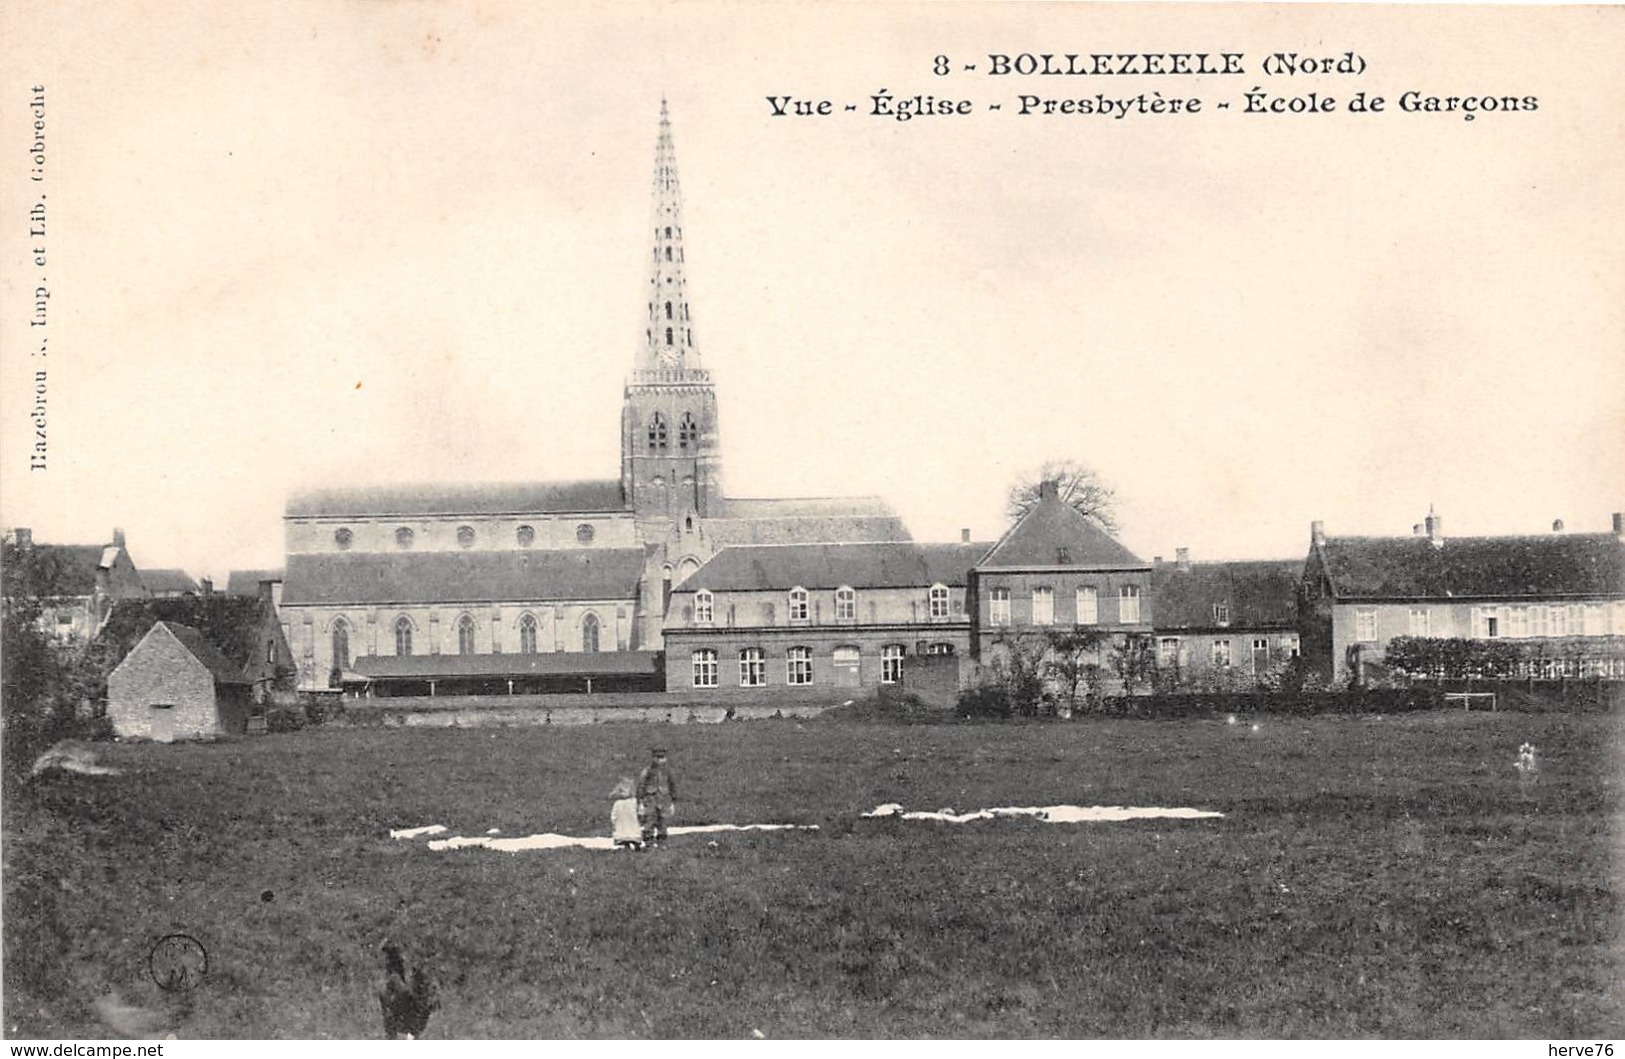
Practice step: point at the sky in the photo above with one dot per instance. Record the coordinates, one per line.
(309, 244)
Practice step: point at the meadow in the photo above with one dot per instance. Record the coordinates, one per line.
(1372, 877)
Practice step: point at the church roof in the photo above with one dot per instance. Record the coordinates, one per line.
(460, 498)
(1568, 564)
(352, 578)
(1261, 593)
(891, 564)
(807, 507)
(1054, 534)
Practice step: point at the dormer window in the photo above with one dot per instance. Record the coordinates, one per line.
(938, 601)
(704, 607)
(1221, 614)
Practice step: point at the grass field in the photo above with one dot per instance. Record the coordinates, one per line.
(1372, 878)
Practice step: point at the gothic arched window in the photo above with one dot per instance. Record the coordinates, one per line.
(341, 644)
(589, 633)
(465, 635)
(668, 310)
(657, 433)
(668, 336)
(527, 635)
(688, 431)
(403, 636)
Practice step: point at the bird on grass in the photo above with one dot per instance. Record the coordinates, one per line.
(407, 1000)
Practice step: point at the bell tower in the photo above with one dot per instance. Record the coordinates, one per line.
(670, 464)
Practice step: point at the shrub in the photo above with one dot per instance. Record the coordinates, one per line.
(285, 719)
(984, 701)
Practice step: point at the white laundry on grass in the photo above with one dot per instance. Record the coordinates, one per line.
(1051, 814)
(549, 840)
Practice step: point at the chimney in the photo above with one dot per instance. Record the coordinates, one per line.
(118, 538)
(964, 535)
(1156, 560)
(1317, 533)
(1557, 525)
(1182, 556)
(1435, 528)
(1619, 524)
(25, 536)
(1049, 489)
(206, 586)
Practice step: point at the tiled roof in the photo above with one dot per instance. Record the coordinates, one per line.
(1571, 564)
(585, 663)
(461, 498)
(1258, 594)
(463, 577)
(70, 569)
(213, 659)
(247, 582)
(1053, 534)
(171, 581)
(895, 564)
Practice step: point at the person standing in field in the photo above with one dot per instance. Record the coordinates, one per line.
(625, 827)
(657, 798)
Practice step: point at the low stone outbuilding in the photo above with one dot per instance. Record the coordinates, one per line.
(175, 684)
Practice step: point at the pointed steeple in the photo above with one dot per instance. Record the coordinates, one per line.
(668, 332)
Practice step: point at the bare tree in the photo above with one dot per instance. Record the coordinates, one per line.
(1076, 483)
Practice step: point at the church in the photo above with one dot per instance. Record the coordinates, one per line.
(546, 586)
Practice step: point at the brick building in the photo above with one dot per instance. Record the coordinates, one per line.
(1055, 569)
(1224, 624)
(817, 615)
(1560, 594)
(176, 684)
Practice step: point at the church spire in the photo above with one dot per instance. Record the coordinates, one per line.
(668, 335)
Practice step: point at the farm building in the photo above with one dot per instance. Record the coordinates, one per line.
(175, 684)
(1560, 597)
(79, 583)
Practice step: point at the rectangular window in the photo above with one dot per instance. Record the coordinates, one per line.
(1221, 614)
(752, 668)
(1168, 652)
(998, 606)
(1088, 605)
(1128, 604)
(1421, 621)
(1517, 622)
(1365, 625)
(1221, 654)
(846, 604)
(1560, 620)
(1486, 623)
(705, 668)
(1043, 605)
(1539, 625)
(702, 608)
(798, 666)
(1291, 645)
(798, 604)
(1595, 624)
(937, 600)
(891, 664)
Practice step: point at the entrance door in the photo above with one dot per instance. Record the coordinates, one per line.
(161, 722)
(1261, 656)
